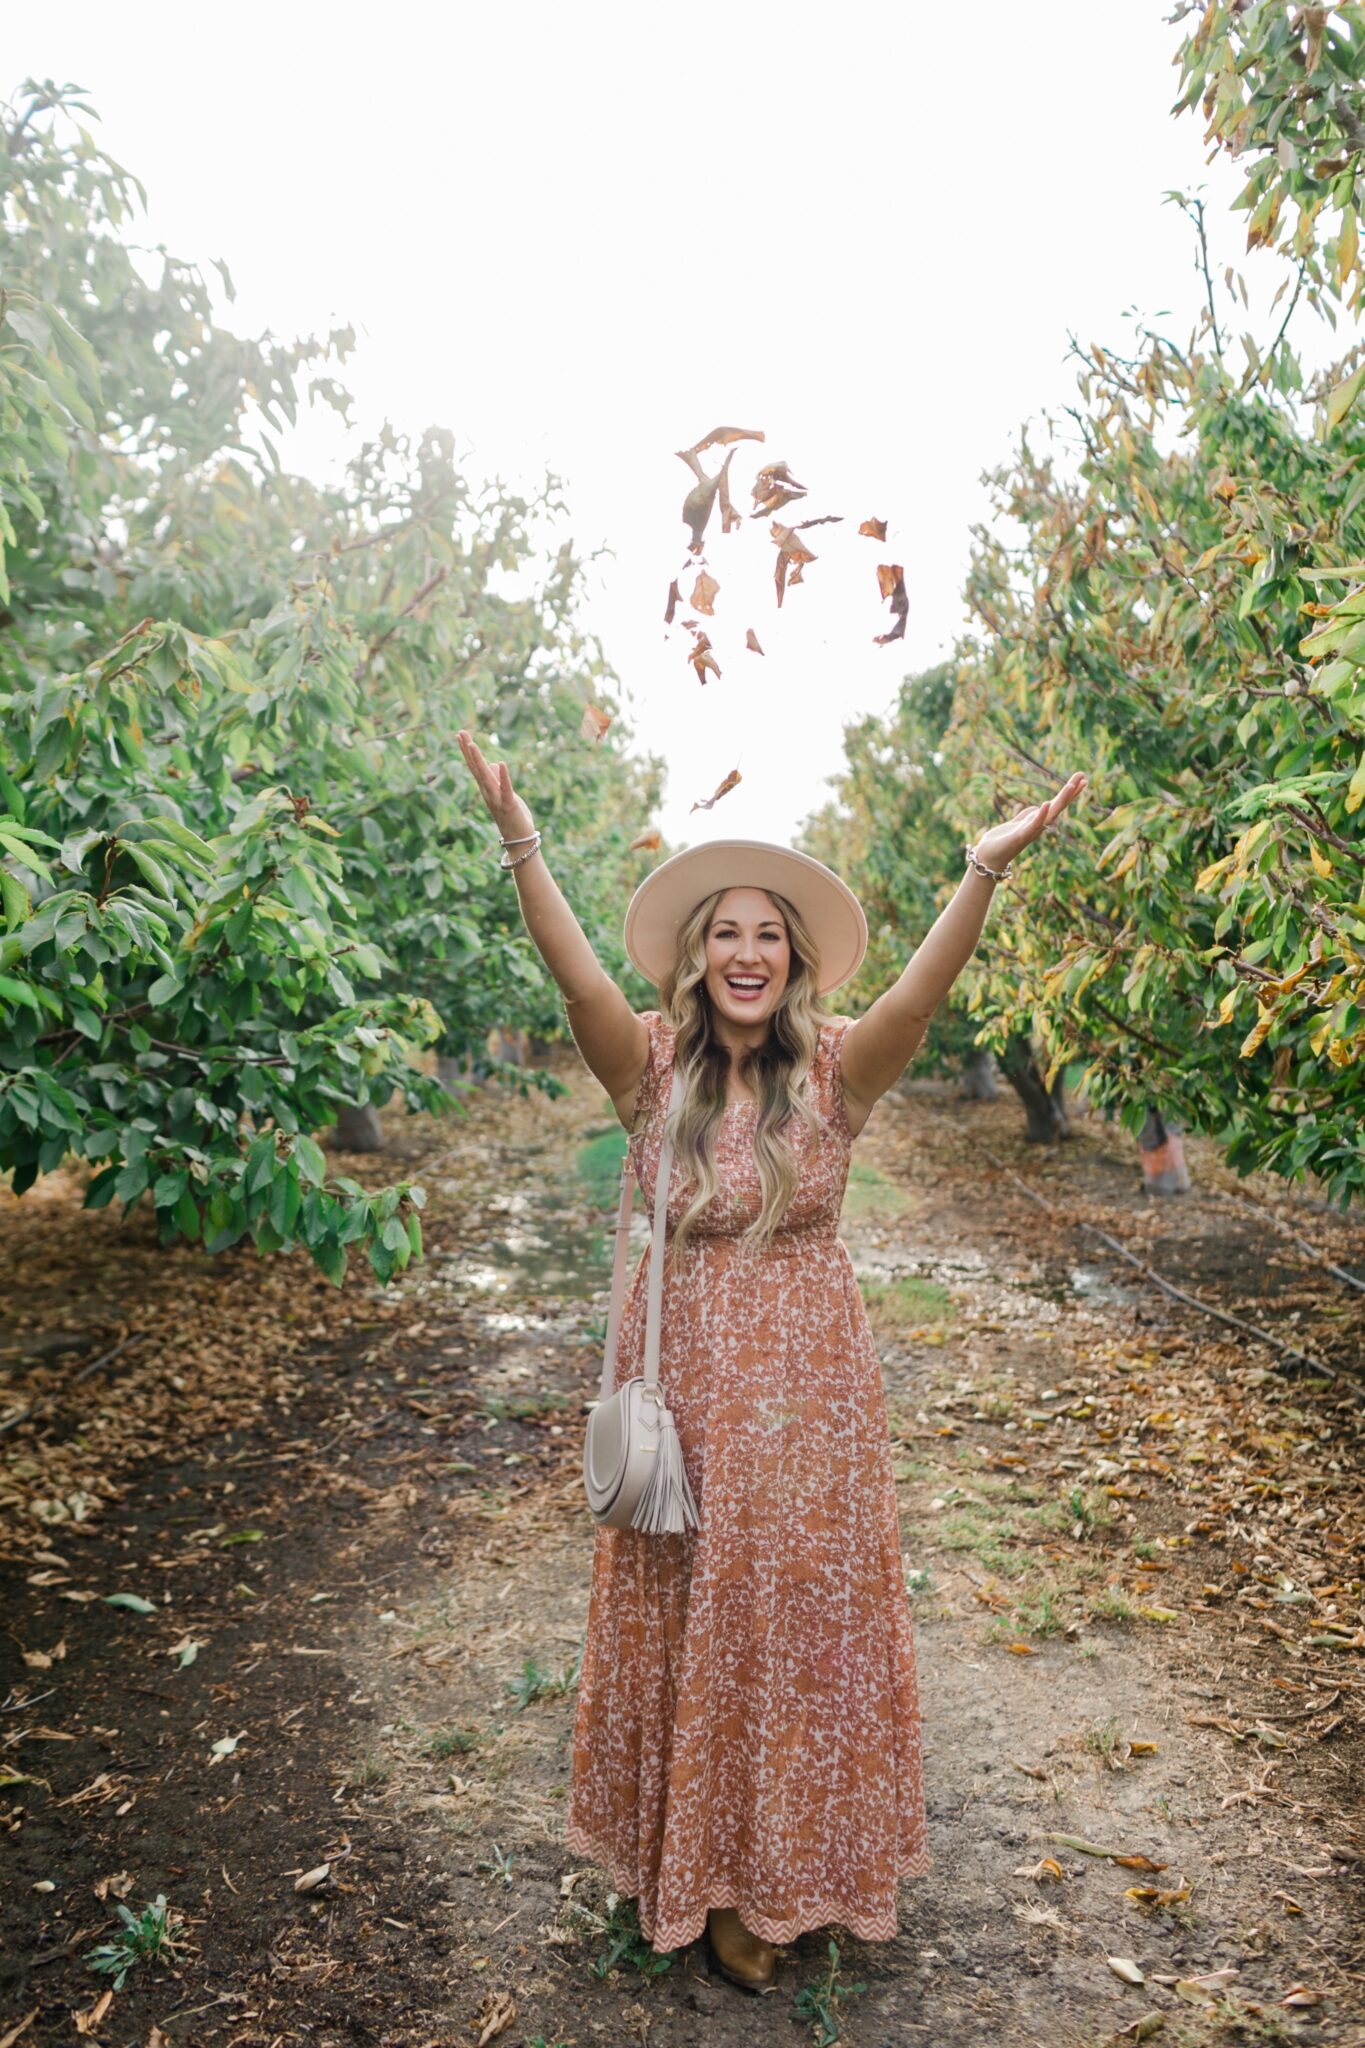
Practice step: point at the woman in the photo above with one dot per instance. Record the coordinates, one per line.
(747, 1740)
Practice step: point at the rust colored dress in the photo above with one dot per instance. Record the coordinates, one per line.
(747, 1731)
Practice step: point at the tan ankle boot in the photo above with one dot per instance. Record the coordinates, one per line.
(740, 1955)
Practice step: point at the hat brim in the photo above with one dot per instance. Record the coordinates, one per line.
(672, 892)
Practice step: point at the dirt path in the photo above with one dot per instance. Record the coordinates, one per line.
(1128, 1540)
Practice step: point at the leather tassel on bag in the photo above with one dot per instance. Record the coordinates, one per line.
(666, 1506)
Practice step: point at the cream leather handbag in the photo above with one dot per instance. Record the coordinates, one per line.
(632, 1458)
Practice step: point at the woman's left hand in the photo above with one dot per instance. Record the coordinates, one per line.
(998, 844)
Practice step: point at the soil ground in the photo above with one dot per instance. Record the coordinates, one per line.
(352, 1529)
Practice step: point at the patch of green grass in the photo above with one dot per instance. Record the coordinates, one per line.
(905, 1304)
(370, 1769)
(447, 1742)
(627, 1945)
(1036, 1614)
(145, 1937)
(819, 2002)
(598, 1165)
(984, 1539)
(1112, 1605)
(535, 1684)
(870, 1193)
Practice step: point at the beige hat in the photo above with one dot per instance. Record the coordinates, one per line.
(665, 898)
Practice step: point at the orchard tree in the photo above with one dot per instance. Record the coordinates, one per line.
(243, 883)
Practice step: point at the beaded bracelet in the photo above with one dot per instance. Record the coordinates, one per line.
(996, 874)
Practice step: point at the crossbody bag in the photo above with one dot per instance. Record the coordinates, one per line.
(633, 1467)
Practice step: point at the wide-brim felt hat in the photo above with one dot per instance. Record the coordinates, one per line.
(666, 897)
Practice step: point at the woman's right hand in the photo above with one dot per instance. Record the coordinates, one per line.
(505, 807)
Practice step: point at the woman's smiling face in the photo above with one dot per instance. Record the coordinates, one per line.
(748, 956)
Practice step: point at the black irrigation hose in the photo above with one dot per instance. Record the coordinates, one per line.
(1316, 1365)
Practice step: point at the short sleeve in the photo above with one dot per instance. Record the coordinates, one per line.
(657, 1075)
(829, 1064)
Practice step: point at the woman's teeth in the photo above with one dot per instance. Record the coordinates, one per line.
(746, 988)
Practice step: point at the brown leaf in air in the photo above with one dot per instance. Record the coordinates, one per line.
(891, 583)
(704, 803)
(702, 658)
(704, 593)
(751, 642)
(595, 722)
(875, 529)
(774, 487)
(721, 437)
(792, 557)
(697, 504)
(825, 519)
(648, 842)
(729, 518)
(674, 600)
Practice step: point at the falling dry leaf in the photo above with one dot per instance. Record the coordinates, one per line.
(891, 583)
(696, 510)
(648, 842)
(1129, 1971)
(792, 557)
(674, 600)
(729, 518)
(825, 519)
(774, 487)
(702, 658)
(594, 722)
(704, 592)
(751, 642)
(721, 437)
(704, 803)
(875, 529)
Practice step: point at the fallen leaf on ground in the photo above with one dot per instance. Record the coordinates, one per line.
(495, 2015)
(704, 803)
(1301, 1995)
(1046, 1870)
(1129, 1971)
(1144, 2028)
(1020, 1649)
(751, 642)
(875, 529)
(1204, 1990)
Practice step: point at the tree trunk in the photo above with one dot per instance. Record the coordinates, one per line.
(511, 1045)
(358, 1128)
(980, 1078)
(1162, 1152)
(456, 1076)
(1045, 1108)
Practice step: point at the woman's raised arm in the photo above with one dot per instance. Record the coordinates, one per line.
(879, 1045)
(611, 1038)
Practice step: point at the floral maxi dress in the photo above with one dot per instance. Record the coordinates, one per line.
(747, 1731)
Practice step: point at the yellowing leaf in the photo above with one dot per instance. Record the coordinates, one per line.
(1355, 794)
(1320, 861)
(1256, 1036)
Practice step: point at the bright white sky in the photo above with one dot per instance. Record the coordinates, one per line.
(581, 236)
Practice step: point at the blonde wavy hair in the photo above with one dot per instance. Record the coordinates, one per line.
(774, 1072)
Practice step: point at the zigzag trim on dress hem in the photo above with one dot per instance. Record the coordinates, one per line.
(866, 1926)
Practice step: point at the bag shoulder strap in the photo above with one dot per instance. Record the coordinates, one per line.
(654, 1300)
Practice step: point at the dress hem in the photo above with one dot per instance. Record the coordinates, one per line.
(866, 1926)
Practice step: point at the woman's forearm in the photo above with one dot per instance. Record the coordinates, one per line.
(559, 938)
(948, 945)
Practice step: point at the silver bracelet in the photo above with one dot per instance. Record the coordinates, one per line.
(996, 875)
(504, 862)
(517, 842)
